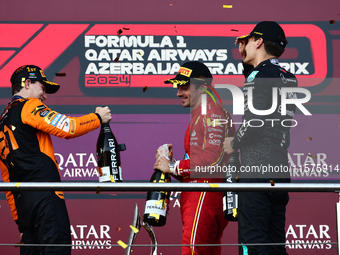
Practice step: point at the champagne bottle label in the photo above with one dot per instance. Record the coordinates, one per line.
(224, 203)
(120, 173)
(155, 207)
(104, 174)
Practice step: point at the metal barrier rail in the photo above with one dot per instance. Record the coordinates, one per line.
(159, 245)
(131, 186)
(138, 186)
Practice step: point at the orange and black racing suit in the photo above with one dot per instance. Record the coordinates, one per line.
(27, 155)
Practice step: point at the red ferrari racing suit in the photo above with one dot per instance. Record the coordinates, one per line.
(202, 212)
(27, 155)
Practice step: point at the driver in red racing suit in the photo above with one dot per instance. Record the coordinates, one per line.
(202, 213)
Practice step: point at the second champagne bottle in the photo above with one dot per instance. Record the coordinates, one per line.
(108, 155)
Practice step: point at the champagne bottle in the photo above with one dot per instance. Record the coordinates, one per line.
(108, 156)
(230, 198)
(157, 202)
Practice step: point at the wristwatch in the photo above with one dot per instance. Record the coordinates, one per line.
(172, 166)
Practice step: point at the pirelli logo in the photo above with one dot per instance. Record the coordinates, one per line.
(185, 71)
(72, 127)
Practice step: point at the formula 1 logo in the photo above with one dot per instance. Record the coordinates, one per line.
(40, 44)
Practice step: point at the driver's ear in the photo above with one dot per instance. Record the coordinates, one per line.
(27, 84)
(259, 42)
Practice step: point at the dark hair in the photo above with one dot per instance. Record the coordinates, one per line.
(17, 87)
(273, 48)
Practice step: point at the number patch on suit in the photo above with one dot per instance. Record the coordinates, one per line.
(6, 136)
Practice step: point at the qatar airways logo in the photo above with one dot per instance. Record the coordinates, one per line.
(288, 96)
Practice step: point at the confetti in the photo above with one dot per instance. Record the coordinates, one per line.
(125, 28)
(156, 216)
(309, 138)
(116, 59)
(121, 243)
(175, 29)
(332, 21)
(159, 202)
(235, 212)
(235, 30)
(170, 4)
(140, 53)
(18, 184)
(118, 229)
(227, 6)
(60, 74)
(119, 32)
(272, 183)
(309, 155)
(98, 189)
(112, 179)
(213, 185)
(145, 89)
(136, 230)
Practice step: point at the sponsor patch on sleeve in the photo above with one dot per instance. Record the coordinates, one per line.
(61, 122)
(44, 113)
(56, 119)
(67, 125)
(50, 116)
(38, 108)
(72, 126)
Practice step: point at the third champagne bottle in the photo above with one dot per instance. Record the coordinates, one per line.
(157, 202)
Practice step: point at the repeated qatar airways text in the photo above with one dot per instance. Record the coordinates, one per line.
(80, 164)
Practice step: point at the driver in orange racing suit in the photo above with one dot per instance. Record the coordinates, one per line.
(27, 155)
